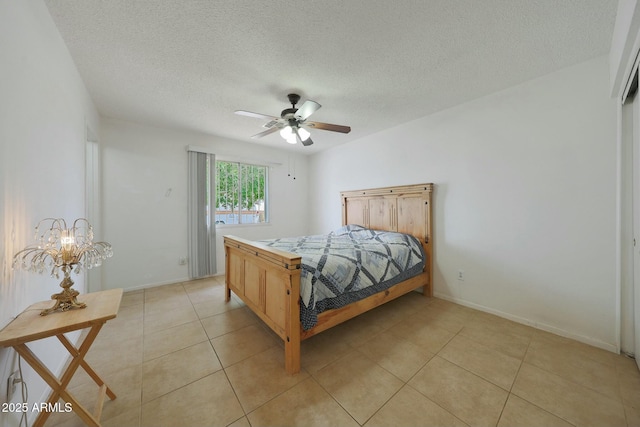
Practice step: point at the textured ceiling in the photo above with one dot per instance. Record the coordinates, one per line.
(372, 64)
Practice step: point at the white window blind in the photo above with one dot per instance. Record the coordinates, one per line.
(201, 206)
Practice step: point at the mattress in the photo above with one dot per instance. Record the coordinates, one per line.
(349, 264)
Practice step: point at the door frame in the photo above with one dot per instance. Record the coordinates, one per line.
(93, 198)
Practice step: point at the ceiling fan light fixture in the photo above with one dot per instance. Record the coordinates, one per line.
(287, 133)
(290, 121)
(303, 133)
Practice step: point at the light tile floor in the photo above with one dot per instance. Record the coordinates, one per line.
(178, 355)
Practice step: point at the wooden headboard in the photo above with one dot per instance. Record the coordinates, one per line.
(405, 209)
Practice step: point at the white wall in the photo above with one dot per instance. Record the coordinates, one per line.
(44, 112)
(145, 200)
(524, 200)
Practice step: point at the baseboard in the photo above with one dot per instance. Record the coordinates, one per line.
(537, 325)
(169, 282)
(153, 285)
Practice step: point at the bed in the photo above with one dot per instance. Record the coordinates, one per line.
(267, 275)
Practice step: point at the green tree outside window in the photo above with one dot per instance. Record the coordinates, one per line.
(241, 193)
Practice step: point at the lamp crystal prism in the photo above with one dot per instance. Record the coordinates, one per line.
(62, 249)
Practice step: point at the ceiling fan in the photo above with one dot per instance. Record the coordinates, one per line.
(293, 122)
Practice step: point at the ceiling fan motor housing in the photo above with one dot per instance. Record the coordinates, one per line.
(293, 99)
(288, 112)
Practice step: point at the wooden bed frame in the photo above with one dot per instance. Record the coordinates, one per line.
(267, 280)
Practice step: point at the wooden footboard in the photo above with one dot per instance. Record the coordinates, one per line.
(268, 281)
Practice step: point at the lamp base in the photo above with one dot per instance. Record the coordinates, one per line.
(65, 300)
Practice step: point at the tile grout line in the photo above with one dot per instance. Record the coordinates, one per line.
(515, 377)
(522, 397)
(571, 380)
(510, 390)
(222, 368)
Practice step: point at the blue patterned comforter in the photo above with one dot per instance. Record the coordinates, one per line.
(349, 264)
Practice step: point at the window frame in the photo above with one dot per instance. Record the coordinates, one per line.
(239, 164)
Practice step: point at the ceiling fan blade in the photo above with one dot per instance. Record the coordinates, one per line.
(299, 139)
(265, 133)
(255, 115)
(328, 126)
(308, 108)
(307, 142)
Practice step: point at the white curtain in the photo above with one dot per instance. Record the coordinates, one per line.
(202, 228)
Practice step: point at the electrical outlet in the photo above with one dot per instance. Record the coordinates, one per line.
(12, 382)
(461, 275)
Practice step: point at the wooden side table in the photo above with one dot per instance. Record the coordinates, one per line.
(30, 326)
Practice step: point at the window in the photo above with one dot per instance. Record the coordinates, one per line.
(241, 193)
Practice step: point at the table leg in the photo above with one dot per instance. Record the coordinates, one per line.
(59, 386)
(74, 352)
(56, 387)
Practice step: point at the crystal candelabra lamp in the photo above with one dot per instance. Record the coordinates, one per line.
(59, 248)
